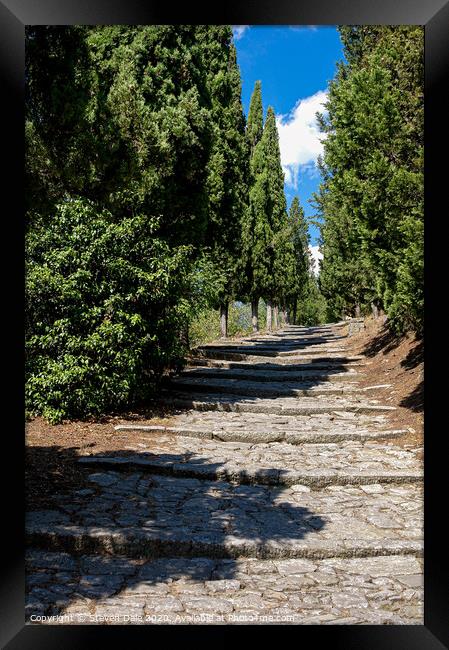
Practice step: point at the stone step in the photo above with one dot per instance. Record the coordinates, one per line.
(278, 365)
(247, 505)
(244, 469)
(283, 341)
(275, 345)
(143, 515)
(257, 389)
(90, 589)
(265, 375)
(311, 350)
(293, 338)
(307, 356)
(279, 406)
(263, 436)
(347, 457)
(269, 351)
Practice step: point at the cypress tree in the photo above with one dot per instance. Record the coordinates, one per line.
(254, 131)
(267, 216)
(371, 197)
(254, 128)
(299, 269)
(228, 166)
(127, 131)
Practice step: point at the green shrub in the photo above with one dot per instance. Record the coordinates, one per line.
(104, 307)
(205, 327)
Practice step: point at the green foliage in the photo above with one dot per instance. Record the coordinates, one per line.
(371, 198)
(407, 305)
(300, 293)
(297, 260)
(312, 306)
(102, 302)
(240, 318)
(247, 288)
(254, 127)
(228, 165)
(263, 237)
(135, 168)
(205, 326)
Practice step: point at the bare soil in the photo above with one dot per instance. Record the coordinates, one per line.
(398, 361)
(51, 451)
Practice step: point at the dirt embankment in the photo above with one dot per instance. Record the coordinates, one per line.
(399, 362)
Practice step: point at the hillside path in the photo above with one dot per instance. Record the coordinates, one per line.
(275, 495)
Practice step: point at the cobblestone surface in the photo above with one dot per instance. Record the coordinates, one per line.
(325, 356)
(242, 386)
(259, 504)
(309, 405)
(335, 426)
(92, 589)
(281, 365)
(267, 373)
(312, 464)
(195, 516)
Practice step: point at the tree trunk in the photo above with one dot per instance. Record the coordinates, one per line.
(294, 313)
(255, 314)
(269, 310)
(374, 310)
(224, 320)
(276, 317)
(357, 311)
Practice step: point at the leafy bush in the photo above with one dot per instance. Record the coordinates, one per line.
(135, 158)
(205, 327)
(406, 311)
(312, 308)
(105, 309)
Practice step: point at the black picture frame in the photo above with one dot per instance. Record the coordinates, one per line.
(434, 15)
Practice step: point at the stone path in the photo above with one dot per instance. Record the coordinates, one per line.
(269, 500)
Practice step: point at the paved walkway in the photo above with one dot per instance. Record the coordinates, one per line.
(269, 500)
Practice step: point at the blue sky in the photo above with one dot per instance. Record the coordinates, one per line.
(294, 64)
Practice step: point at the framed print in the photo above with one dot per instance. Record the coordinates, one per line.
(222, 227)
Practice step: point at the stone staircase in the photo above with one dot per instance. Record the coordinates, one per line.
(277, 496)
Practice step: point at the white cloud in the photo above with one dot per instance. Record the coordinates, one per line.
(300, 137)
(303, 28)
(316, 257)
(238, 31)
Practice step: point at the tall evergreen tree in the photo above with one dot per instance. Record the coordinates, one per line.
(267, 216)
(371, 197)
(313, 306)
(228, 167)
(127, 131)
(254, 131)
(254, 128)
(299, 263)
